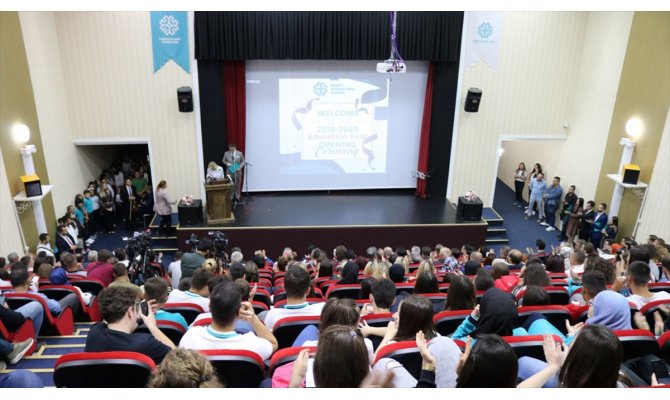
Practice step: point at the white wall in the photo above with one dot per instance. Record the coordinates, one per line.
(554, 67)
(654, 218)
(527, 151)
(40, 36)
(10, 236)
(110, 92)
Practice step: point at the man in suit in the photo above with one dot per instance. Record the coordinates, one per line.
(233, 159)
(599, 224)
(64, 242)
(128, 196)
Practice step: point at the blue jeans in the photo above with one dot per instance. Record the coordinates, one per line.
(310, 332)
(550, 212)
(5, 348)
(35, 312)
(20, 379)
(529, 366)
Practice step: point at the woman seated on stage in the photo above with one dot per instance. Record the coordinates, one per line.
(214, 172)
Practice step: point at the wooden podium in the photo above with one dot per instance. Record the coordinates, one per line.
(218, 203)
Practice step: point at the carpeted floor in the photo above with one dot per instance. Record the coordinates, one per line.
(520, 232)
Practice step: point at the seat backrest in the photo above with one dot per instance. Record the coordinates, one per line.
(406, 353)
(173, 330)
(287, 329)
(111, 369)
(530, 345)
(237, 368)
(404, 287)
(263, 296)
(664, 346)
(444, 287)
(378, 320)
(558, 295)
(259, 307)
(659, 287)
(189, 311)
(90, 285)
(203, 322)
(446, 322)
(637, 343)
(57, 292)
(348, 291)
(285, 356)
(556, 315)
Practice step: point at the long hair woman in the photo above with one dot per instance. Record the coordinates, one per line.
(520, 176)
(461, 295)
(492, 363)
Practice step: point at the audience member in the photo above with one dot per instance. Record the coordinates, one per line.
(197, 292)
(184, 368)
(101, 269)
(297, 286)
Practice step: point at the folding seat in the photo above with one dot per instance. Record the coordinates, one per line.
(263, 296)
(279, 295)
(380, 320)
(559, 282)
(444, 287)
(664, 346)
(93, 286)
(310, 300)
(75, 277)
(530, 345)
(556, 315)
(189, 311)
(406, 353)
(413, 267)
(349, 291)
(659, 287)
(318, 293)
(62, 324)
(203, 322)
(109, 369)
(85, 312)
(287, 329)
(259, 307)
(319, 281)
(637, 343)
(648, 309)
(478, 295)
(327, 284)
(446, 322)
(24, 332)
(285, 356)
(557, 275)
(558, 295)
(437, 299)
(237, 368)
(404, 287)
(173, 330)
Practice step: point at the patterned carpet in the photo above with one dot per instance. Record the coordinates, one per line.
(42, 361)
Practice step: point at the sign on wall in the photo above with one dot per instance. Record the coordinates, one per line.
(484, 38)
(169, 37)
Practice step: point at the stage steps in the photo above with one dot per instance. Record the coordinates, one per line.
(495, 232)
(160, 242)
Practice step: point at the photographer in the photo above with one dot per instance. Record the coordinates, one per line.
(192, 261)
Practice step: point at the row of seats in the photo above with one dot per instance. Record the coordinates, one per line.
(241, 368)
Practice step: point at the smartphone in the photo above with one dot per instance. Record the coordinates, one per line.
(661, 370)
(144, 308)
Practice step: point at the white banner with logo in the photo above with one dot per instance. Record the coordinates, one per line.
(484, 38)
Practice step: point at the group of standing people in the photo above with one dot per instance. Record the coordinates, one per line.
(585, 221)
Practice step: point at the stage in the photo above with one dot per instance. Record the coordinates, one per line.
(355, 219)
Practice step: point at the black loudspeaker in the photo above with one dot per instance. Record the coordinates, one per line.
(469, 210)
(473, 99)
(185, 99)
(190, 215)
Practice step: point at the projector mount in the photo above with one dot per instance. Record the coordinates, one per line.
(395, 64)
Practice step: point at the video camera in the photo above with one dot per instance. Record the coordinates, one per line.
(139, 269)
(219, 243)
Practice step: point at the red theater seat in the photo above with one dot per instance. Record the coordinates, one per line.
(173, 330)
(664, 346)
(110, 369)
(85, 313)
(237, 368)
(406, 353)
(24, 332)
(349, 291)
(530, 345)
(286, 330)
(637, 343)
(90, 285)
(285, 356)
(446, 322)
(189, 311)
(62, 324)
(556, 315)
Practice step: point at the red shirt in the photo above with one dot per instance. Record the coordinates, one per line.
(101, 271)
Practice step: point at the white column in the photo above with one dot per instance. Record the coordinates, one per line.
(29, 167)
(626, 157)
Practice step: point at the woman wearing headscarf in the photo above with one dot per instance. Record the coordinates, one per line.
(496, 313)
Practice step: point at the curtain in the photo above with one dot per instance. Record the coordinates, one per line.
(424, 141)
(235, 102)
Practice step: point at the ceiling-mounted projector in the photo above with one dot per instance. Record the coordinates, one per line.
(391, 67)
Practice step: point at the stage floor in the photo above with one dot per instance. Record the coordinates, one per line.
(357, 219)
(353, 208)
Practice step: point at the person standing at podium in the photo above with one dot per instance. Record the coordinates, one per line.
(234, 161)
(163, 208)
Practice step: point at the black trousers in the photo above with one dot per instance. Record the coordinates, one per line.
(518, 188)
(166, 224)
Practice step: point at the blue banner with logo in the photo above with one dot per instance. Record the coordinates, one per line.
(169, 37)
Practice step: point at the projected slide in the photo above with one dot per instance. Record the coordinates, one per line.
(324, 119)
(322, 125)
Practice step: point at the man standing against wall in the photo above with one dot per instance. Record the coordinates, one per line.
(234, 162)
(552, 197)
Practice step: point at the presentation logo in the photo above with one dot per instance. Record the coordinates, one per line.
(485, 30)
(169, 25)
(320, 89)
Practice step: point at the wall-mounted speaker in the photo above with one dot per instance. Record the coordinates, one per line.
(473, 99)
(185, 99)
